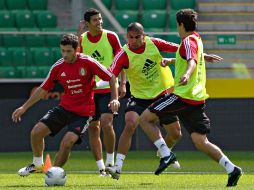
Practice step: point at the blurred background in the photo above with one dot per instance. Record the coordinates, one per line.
(30, 32)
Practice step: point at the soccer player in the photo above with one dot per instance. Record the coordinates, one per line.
(140, 59)
(76, 73)
(187, 100)
(102, 45)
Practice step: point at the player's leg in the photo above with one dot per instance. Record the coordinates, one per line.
(109, 137)
(124, 144)
(66, 145)
(196, 118)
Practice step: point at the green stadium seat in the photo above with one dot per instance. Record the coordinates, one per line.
(5, 57)
(37, 4)
(2, 4)
(24, 19)
(172, 21)
(154, 4)
(52, 40)
(127, 4)
(43, 70)
(7, 19)
(154, 19)
(21, 56)
(16, 4)
(33, 40)
(172, 38)
(107, 3)
(12, 40)
(182, 4)
(126, 17)
(56, 53)
(32, 72)
(42, 56)
(45, 19)
(9, 72)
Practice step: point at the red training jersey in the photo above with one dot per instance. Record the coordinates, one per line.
(78, 81)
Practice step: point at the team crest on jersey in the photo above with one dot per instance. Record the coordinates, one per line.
(82, 72)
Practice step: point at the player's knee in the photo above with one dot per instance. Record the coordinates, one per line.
(67, 144)
(94, 128)
(130, 127)
(38, 131)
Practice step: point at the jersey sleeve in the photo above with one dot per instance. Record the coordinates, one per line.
(114, 42)
(50, 80)
(119, 63)
(189, 49)
(99, 69)
(165, 46)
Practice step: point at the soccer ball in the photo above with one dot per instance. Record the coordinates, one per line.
(55, 176)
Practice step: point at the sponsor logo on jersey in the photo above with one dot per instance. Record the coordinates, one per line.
(149, 64)
(96, 55)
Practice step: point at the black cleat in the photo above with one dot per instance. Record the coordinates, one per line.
(234, 176)
(164, 163)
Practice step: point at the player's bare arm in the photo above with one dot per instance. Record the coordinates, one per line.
(114, 104)
(191, 67)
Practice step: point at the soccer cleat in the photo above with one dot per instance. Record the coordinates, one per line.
(164, 163)
(234, 176)
(30, 169)
(103, 173)
(174, 164)
(114, 171)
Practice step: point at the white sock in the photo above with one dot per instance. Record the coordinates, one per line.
(110, 159)
(227, 164)
(38, 161)
(119, 160)
(162, 147)
(100, 164)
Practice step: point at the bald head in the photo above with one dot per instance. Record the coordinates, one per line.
(135, 27)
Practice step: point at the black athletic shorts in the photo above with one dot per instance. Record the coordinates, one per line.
(57, 118)
(101, 104)
(193, 117)
(139, 105)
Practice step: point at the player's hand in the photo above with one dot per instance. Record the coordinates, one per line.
(114, 105)
(212, 58)
(184, 79)
(167, 61)
(16, 115)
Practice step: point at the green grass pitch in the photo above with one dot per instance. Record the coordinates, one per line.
(197, 172)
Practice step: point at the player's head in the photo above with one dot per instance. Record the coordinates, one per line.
(69, 44)
(93, 20)
(188, 19)
(135, 35)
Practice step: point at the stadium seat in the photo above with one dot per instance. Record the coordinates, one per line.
(24, 19)
(43, 71)
(33, 40)
(154, 4)
(107, 3)
(21, 56)
(2, 4)
(172, 38)
(37, 4)
(42, 56)
(16, 4)
(126, 17)
(12, 40)
(32, 72)
(182, 4)
(45, 19)
(172, 21)
(5, 57)
(56, 54)
(154, 19)
(7, 19)
(9, 72)
(52, 40)
(127, 4)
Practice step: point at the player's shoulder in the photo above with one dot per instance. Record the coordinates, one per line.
(110, 33)
(58, 63)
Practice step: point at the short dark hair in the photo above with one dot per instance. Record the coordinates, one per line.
(189, 19)
(90, 12)
(135, 27)
(70, 39)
